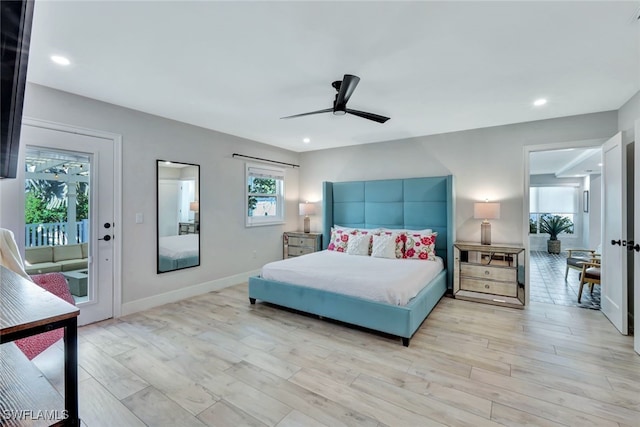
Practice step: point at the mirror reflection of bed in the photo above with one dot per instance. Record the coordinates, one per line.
(178, 216)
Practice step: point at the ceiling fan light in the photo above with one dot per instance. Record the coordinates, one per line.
(339, 113)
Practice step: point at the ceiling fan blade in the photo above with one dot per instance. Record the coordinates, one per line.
(370, 116)
(348, 85)
(326, 110)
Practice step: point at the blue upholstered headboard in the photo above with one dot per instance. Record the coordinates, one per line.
(414, 203)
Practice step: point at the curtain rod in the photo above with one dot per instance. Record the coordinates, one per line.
(265, 160)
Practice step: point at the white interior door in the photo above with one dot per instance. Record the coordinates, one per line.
(636, 239)
(99, 304)
(614, 224)
(168, 202)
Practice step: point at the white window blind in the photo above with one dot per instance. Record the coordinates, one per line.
(265, 173)
(553, 200)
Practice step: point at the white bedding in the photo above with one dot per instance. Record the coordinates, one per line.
(179, 247)
(392, 281)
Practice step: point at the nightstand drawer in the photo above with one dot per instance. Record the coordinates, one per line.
(302, 241)
(483, 272)
(300, 250)
(489, 287)
(296, 243)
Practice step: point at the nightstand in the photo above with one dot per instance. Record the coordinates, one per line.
(188, 228)
(296, 243)
(493, 274)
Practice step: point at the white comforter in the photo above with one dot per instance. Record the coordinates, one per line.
(178, 247)
(392, 281)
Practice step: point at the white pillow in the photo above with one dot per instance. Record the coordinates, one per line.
(349, 229)
(344, 229)
(384, 246)
(359, 244)
(395, 230)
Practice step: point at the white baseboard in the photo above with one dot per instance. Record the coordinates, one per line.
(188, 292)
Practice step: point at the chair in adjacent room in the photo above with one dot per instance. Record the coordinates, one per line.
(590, 274)
(576, 257)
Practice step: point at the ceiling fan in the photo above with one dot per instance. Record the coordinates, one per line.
(345, 88)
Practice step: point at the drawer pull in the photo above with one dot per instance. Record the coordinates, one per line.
(487, 286)
(498, 300)
(487, 272)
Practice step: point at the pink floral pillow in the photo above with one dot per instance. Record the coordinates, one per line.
(420, 246)
(340, 239)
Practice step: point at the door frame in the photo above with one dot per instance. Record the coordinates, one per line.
(527, 150)
(117, 195)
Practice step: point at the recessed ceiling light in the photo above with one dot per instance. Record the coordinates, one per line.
(539, 102)
(599, 164)
(60, 60)
(306, 140)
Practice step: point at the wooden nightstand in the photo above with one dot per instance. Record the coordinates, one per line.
(296, 243)
(493, 274)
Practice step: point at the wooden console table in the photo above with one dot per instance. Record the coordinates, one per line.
(25, 310)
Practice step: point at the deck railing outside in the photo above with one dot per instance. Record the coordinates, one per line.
(55, 233)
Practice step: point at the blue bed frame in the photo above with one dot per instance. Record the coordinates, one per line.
(414, 203)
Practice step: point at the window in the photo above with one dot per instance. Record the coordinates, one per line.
(265, 195)
(562, 201)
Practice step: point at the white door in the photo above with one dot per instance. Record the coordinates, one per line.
(614, 225)
(99, 302)
(636, 239)
(168, 204)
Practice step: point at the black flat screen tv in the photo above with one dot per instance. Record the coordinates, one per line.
(15, 33)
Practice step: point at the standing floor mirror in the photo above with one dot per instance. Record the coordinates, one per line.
(178, 204)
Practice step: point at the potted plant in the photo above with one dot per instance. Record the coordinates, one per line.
(554, 225)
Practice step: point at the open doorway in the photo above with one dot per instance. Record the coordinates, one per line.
(564, 195)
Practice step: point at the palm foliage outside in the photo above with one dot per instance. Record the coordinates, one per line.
(46, 201)
(260, 189)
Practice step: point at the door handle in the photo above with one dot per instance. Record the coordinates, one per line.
(106, 238)
(616, 242)
(632, 247)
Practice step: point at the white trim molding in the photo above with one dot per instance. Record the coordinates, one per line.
(188, 292)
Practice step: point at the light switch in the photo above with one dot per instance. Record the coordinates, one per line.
(139, 218)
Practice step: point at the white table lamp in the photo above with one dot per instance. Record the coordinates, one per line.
(486, 211)
(307, 209)
(195, 207)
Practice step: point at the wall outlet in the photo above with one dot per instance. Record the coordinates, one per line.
(139, 218)
(255, 255)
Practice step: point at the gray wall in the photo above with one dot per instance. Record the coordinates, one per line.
(627, 115)
(224, 238)
(486, 163)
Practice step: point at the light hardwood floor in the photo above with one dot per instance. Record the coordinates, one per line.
(216, 360)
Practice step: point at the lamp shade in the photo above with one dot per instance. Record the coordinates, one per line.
(486, 210)
(194, 206)
(307, 209)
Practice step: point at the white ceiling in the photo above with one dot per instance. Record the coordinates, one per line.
(567, 163)
(433, 67)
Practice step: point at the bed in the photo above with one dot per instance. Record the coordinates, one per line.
(176, 252)
(414, 203)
